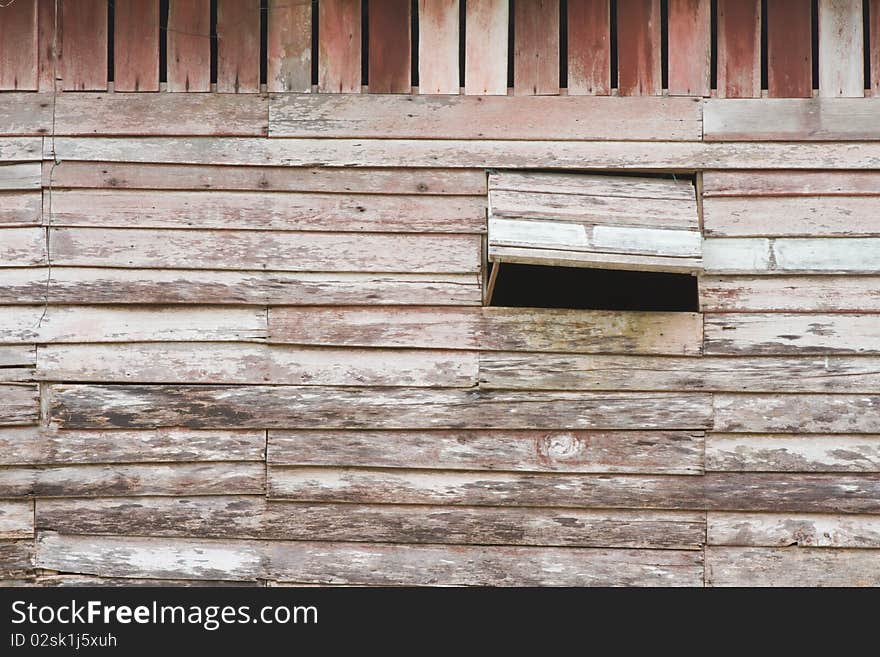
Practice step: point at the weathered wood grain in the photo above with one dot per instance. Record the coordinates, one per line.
(17, 356)
(16, 559)
(841, 49)
(734, 566)
(18, 46)
(659, 452)
(791, 183)
(48, 446)
(49, 40)
(750, 255)
(254, 250)
(690, 40)
(592, 186)
(638, 49)
(792, 453)
(256, 518)
(789, 293)
(873, 28)
(123, 479)
(805, 530)
(84, 64)
(75, 581)
(238, 46)
(383, 213)
(740, 373)
(255, 363)
(469, 182)
(789, 49)
(20, 149)
(485, 58)
(25, 113)
(797, 413)
(491, 329)
(357, 563)
(20, 209)
(70, 285)
(339, 46)
(739, 48)
(189, 51)
(289, 44)
(589, 47)
(22, 247)
(275, 407)
(24, 176)
(536, 48)
(136, 45)
(573, 118)
(35, 324)
(17, 519)
(791, 119)
(789, 492)
(19, 404)
(438, 46)
(389, 47)
(790, 333)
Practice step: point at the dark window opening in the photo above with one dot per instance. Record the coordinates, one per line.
(581, 288)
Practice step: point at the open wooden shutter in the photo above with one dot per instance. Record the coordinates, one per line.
(587, 220)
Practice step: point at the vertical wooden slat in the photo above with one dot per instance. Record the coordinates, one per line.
(638, 48)
(485, 57)
(389, 69)
(18, 46)
(589, 47)
(841, 54)
(536, 48)
(189, 45)
(789, 51)
(85, 45)
(739, 48)
(874, 29)
(339, 46)
(49, 67)
(690, 47)
(289, 45)
(438, 46)
(238, 46)
(136, 45)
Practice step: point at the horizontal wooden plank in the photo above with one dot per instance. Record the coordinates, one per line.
(20, 209)
(791, 119)
(719, 491)
(491, 329)
(137, 248)
(784, 255)
(70, 285)
(125, 324)
(789, 293)
(560, 258)
(797, 413)
(273, 407)
(17, 374)
(256, 518)
(17, 519)
(735, 566)
(667, 452)
(76, 581)
(791, 183)
(595, 184)
(741, 373)
(18, 356)
(792, 453)
(25, 114)
(25, 175)
(122, 479)
(357, 563)
(269, 211)
(16, 559)
(484, 117)
(48, 446)
(19, 404)
(120, 175)
(805, 530)
(255, 363)
(805, 216)
(20, 149)
(791, 333)
(468, 154)
(22, 247)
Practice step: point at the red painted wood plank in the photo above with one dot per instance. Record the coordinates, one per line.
(339, 46)
(690, 47)
(18, 46)
(189, 45)
(47, 23)
(438, 46)
(536, 48)
(485, 60)
(238, 46)
(789, 51)
(589, 47)
(739, 48)
(289, 43)
(389, 66)
(84, 59)
(136, 45)
(638, 48)
(874, 29)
